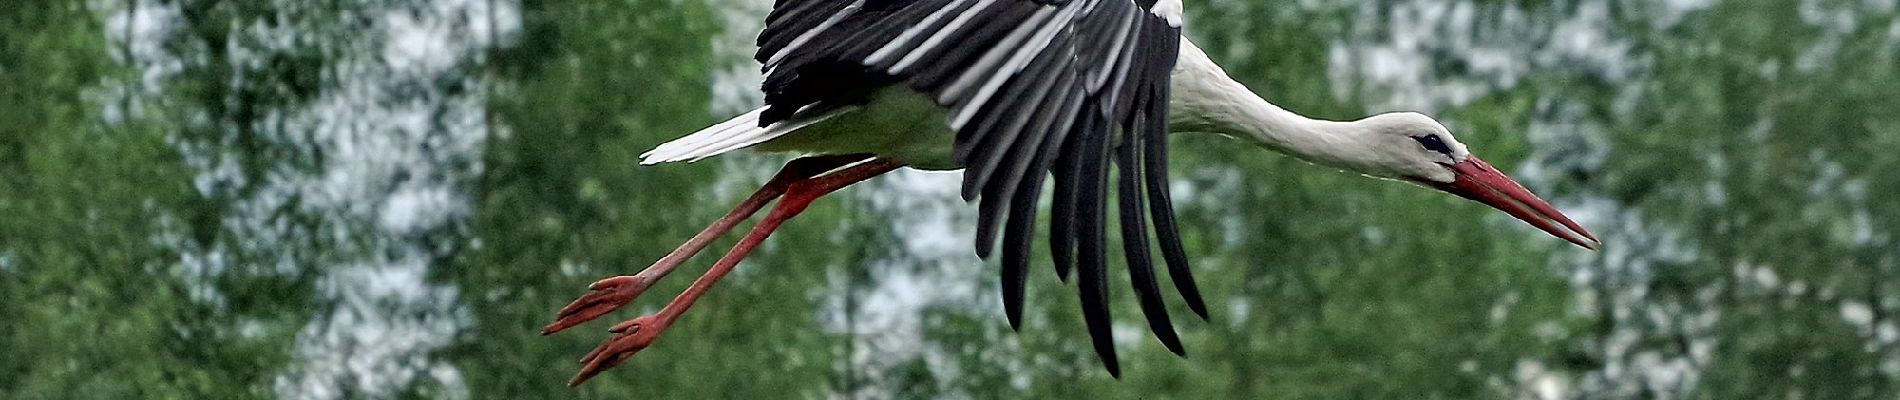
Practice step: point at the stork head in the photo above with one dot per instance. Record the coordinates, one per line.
(1415, 148)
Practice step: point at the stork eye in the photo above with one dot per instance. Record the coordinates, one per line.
(1431, 142)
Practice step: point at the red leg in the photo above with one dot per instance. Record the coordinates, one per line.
(610, 294)
(636, 334)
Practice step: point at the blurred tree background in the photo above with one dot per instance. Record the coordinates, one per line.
(388, 198)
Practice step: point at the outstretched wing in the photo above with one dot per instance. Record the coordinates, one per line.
(1035, 88)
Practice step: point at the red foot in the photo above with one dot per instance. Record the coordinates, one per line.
(629, 337)
(608, 295)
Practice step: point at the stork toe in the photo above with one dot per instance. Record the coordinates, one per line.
(629, 338)
(606, 296)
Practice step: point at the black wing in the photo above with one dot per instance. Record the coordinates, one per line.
(1034, 88)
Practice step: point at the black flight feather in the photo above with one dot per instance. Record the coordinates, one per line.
(1160, 202)
(1010, 157)
(1135, 241)
(1091, 262)
(1092, 68)
(1062, 205)
(1015, 162)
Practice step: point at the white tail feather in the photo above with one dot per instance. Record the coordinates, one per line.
(690, 147)
(737, 133)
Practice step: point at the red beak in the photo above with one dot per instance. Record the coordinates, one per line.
(1477, 180)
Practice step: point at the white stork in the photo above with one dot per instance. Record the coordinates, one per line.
(1013, 92)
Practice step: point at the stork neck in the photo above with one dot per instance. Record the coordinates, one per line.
(1206, 99)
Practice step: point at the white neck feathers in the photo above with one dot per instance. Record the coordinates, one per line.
(1205, 99)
